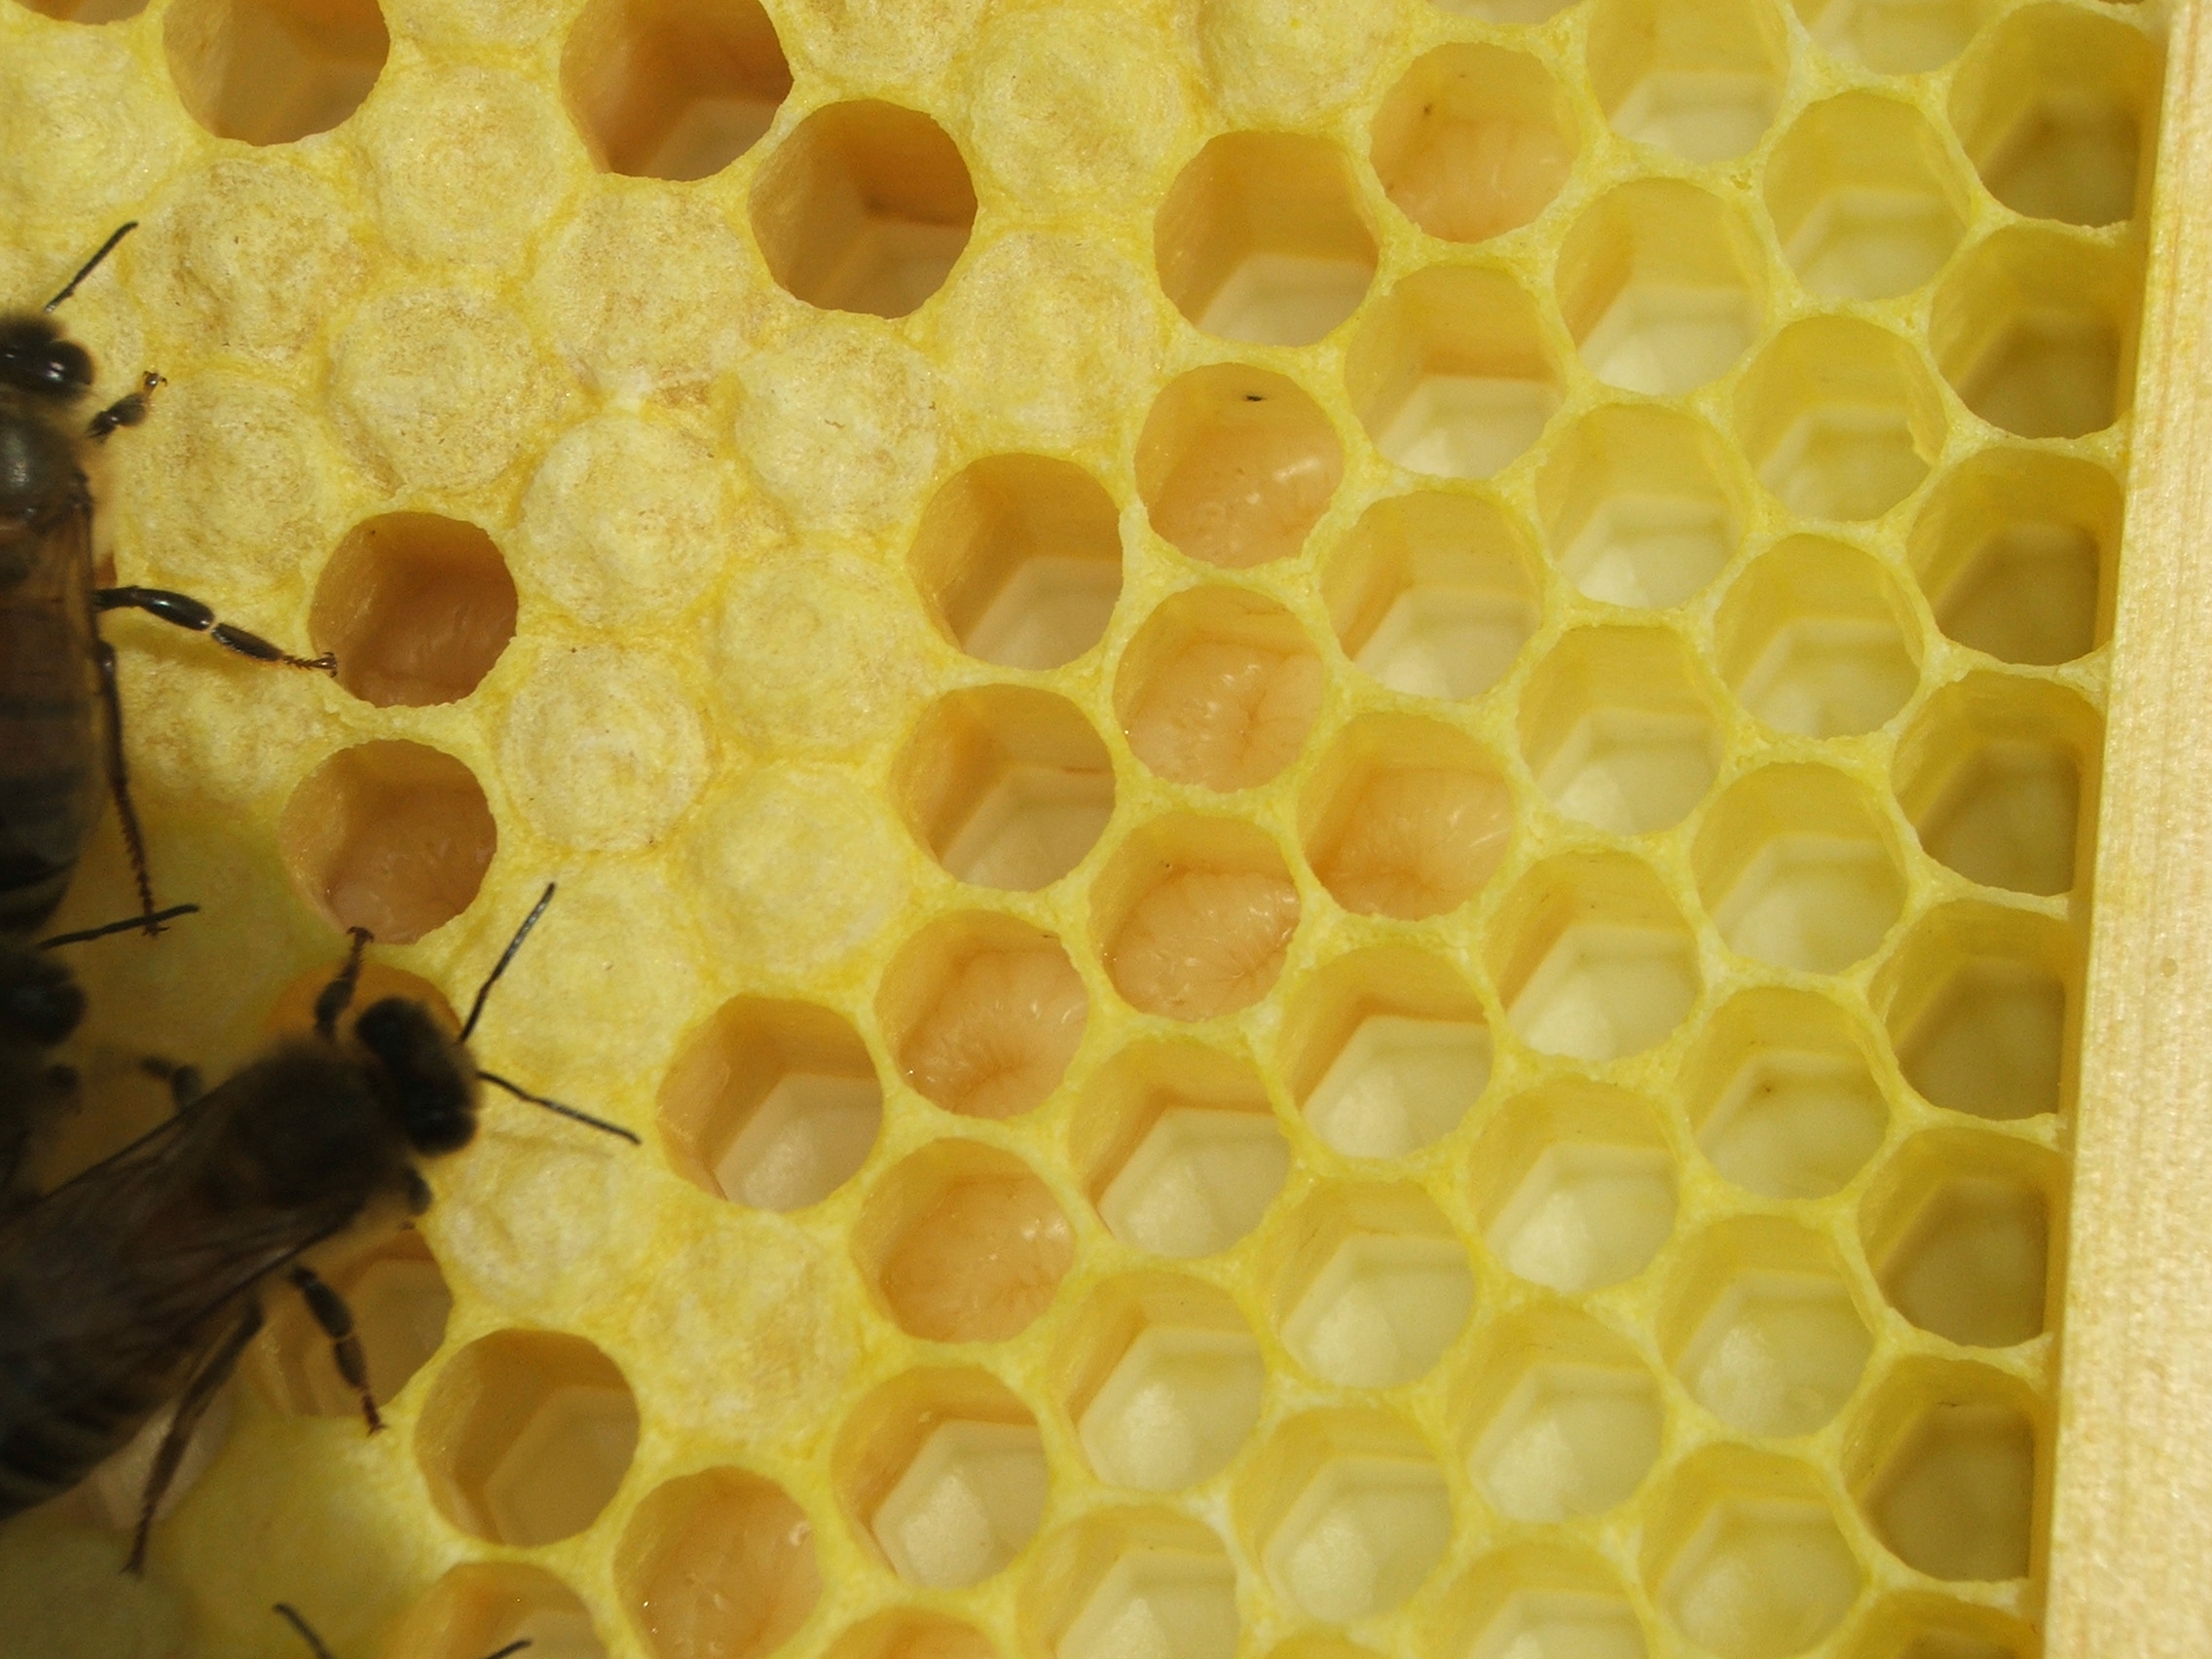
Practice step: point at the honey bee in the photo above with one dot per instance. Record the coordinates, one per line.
(292, 1616)
(139, 1281)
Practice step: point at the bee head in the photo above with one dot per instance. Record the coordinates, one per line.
(429, 1082)
(36, 358)
(39, 1000)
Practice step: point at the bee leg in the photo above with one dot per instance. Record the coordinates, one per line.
(119, 785)
(182, 610)
(337, 1321)
(126, 410)
(191, 1406)
(186, 1085)
(336, 997)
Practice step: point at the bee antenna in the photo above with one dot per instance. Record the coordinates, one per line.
(70, 288)
(129, 924)
(476, 1007)
(332, 1000)
(511, 1647)
(570, 1112)
(292, 1616)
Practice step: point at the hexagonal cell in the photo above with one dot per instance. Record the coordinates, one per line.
(1386, 1051)
(1916, 1625)
(1591, 959)
(1373, 1288)
(1562, 1420)
(1619, 729)
(1178, 1148)
(1641, 506)
(1944, 1469)
(1744, 1558)
(1574, 1186)
(1814, 639)
(1863, 192)
(911, 1633)
(1451, 373)
(273, 71)
(480, 1606)
(983, 1014)
(1662, 287)
(1760, 1326)
(1195, 915)
(389, 836)
(2058, 109)
(2015, 550)
(1474, 142)
(1219, 688)
(2037, 335)
(1702, 80)
(1433, 594)
(1994, 774)
(1347, 1512)
(1840, 419)
(945, 1472)
(400, 1305)
(415, 608)
(1131, 1584)
(1894, 37)
(772, 1104)
(719, 1565)
(525, 1436)
(1979, 1003)
(1236, 465)
(1008, 787)
(1161, 1377)
(1532, 1601)
(1020, 559)
(1261, 240)
(673, 89)
(1797, 866)
(1958, 1231)
(1405, 817)
(864, 208)
(963, 1244)
(1781, 1093)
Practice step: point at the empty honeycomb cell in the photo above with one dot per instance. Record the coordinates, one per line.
(983, 1014)
(1662, 287)
(911, 1633)
(673, 89)
(1386, 1051)
(1219, 688)
(771, 1104)
(479, 1607)
(1781, 1095)
(2016, 549)
(1405, 817)
(1894, 37)
(1744, 1558)
(1944, 1468)
(1959, 1228)
(1840, 419)
(1620, 730)
(1591, 959)
(1195, 915)
(1236, 465)
(1474, 142)
(1019, 557)
(400, 1305)
(1536, 1601)
(1006, 787)
(1347, 1512)
(1994, 775)
(1374, 1285)
(1433, 594)
(1641, 506)
(389, 836)
(2036, 333)
(1701, 80)
(415, 608)
(1178, 1148)
(862, 208)
(1262, 240)
(1978, 1004)
(719, 1565)
(2058, 109)
(1798, 867)
(945, 1472)
(1131, 1584)
(525, 1436)
(1760, 1325)
(1574, 1186)
(1816, 638)
(1864, 191)
(963, 1244)
(1451, 372)
(1561, 1420)
(1161, 1377)
(1917, 1625)
(273, 71)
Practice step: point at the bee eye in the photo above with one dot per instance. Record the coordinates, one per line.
(68, 367)
(35, 359)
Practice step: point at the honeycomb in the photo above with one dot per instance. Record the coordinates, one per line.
(1323, 774)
